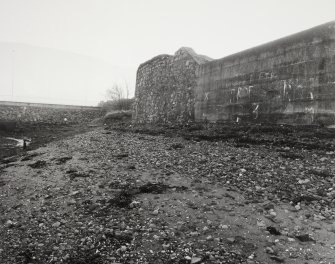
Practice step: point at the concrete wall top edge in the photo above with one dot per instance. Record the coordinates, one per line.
(324, 32)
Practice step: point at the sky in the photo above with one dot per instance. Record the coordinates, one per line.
(111, 38)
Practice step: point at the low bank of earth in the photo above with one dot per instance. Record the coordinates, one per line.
(107, 196)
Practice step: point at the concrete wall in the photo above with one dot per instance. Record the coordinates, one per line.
(165, 87)
(49, 113)
(291, 80)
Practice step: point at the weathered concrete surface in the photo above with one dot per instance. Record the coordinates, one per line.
(48, 113)
(291, 80)
(165, 87)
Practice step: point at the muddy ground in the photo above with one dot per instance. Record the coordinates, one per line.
(193, 194)
(38, 133)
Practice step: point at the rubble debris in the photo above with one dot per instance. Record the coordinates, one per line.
(73, 173)
(9, 160)
(122, 199)
(30, 156)
(63, 160)
(38, 164)
(121, 155)
(305, 238)
(273, 231)
(153, 188)
(176, 146)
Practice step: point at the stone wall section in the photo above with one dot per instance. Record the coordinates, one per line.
(291, 80)
(165, 88)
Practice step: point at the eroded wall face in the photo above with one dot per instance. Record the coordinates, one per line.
(165, 90)
(290, 83)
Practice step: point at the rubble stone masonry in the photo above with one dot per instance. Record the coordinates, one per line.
(165, 87)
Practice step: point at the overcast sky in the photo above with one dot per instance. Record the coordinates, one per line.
(125, 33)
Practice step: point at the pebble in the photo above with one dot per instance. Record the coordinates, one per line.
(332, 228)
(268, 206)
(56, 224)
(269, 250)
(9, 223)
(75, 193)
(304, 181)
(260, 223)
(209, 238)
(315, 225)
(123, 248)
(195, 260)
(273, 213)
(71, 202)
(231, 239)
(318, 217)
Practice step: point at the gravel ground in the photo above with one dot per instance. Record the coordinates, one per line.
(110, 196)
